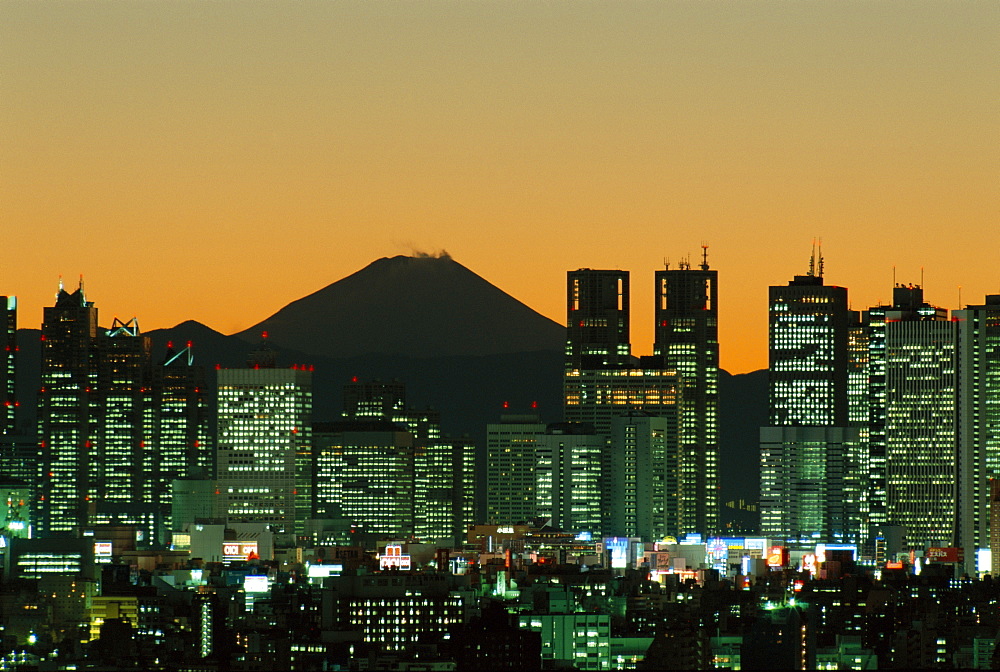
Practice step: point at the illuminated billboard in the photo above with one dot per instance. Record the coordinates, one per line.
(255, 584)
(937, 554)
(617, 548)
(777, 556)
(393, 557)
(239, 550)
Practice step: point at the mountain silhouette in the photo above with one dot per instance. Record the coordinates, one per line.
(414, 306)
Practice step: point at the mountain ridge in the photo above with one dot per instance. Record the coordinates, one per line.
(420, 306)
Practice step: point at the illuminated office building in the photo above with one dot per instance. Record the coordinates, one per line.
(442, 470)
(568, 477)
(444, 486)
(979, 423)
(67, 409)
(511, 479)
(920, 416)
(643, 474)
(8, 350)
(687, 338)
(597, 323)
(602, 381)
(363, 471)
(179, 443)
(806, 449)
(263, 447)
(124, 371)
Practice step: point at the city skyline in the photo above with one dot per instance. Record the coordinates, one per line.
(526, 141)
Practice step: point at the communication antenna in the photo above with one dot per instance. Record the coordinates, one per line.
(704, 256)
(921, 277)
(960, 296)
(821, 257)
(812, 260)
(666, 264)
(894, 275)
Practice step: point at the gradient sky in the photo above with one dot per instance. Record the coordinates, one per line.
(217, 160)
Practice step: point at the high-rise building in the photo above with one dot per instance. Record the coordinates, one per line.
(8, 387)
(568, 477)
(805, 450)
(263, 446)
(979, 424)
(643, 475)
(444, 475)
(597, 323)
(364, 472)
(920, 411)
(442, 470)
(511, 481)
(124, 372)
(67, 409)
(687, 338)
(603, 381)
(179, 445)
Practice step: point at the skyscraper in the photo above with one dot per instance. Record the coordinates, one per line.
(441, 470)
(597, 323)
(568, 477)
(179, 446)
(687, 338)
(643, 474)
(603, 381)
(511, 481)
(67, 416)
(896, 341)
(8, 386)
(364, 473)
(920, 412)
(804, 451)
(263, 446)
(979, 423)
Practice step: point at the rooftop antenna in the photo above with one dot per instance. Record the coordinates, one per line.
(704, 256)
(60, 285)
(894, 275)
(921, 277)
(821, 257)
(812, 260)
(666, 264)
(960, 296)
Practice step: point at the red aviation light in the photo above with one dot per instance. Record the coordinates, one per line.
(354, 379)
(263, 334)
(312, 367)
(170, 345)
(218, 366)
(534, 404)
(43, 337)
(189, 344)
(506, 404)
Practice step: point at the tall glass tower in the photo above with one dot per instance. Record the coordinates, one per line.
(67, 409)
(597, 323)
(803, 452)
(263, 446)
(687, 339)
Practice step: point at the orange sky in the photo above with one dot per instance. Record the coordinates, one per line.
(216, 160)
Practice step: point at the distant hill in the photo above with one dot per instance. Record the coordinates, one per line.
(410, 306)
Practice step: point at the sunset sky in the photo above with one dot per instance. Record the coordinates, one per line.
(217, 160)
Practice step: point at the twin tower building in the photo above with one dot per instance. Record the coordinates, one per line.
(637, 455)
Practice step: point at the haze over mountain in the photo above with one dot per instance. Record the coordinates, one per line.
(422, 306)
